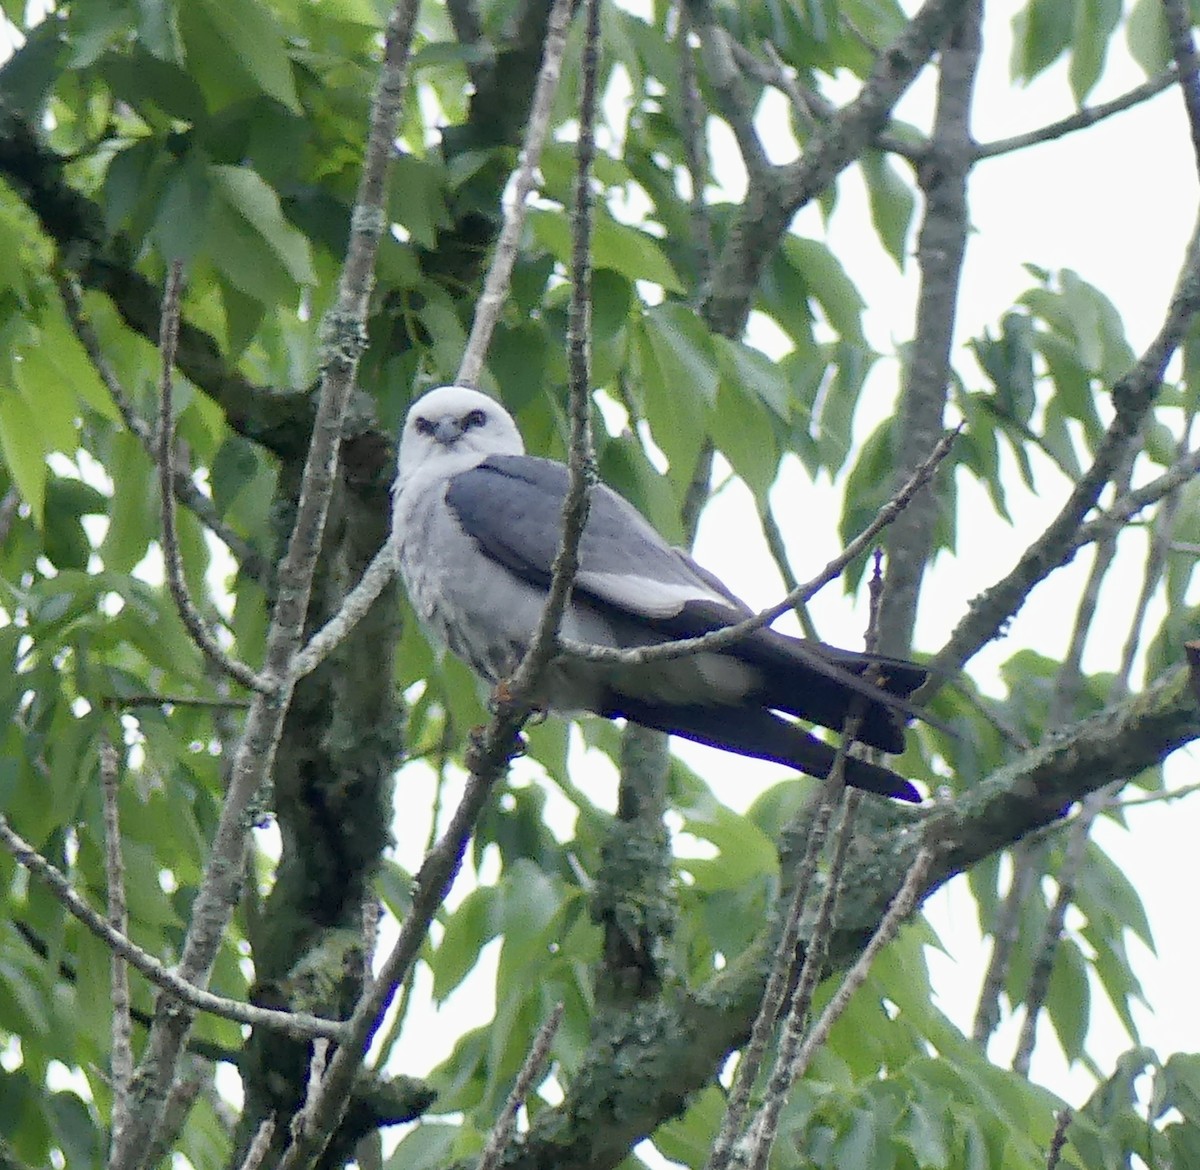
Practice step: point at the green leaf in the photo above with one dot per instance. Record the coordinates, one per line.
(923, 1129)
(1068, 998)
(23, 449)
(429, 1146)
(747, 438)
(892, 204)
(1146, 35)
(133, 520)
(468, 930)
(250, 241)
(746, 852)
(1095, 21)
(829, 286)
(237, 51)
(633, 253)
(182, 217)
(678, 384)
(158, 89)
(1041, 33)
(417, 198)
(755, 373)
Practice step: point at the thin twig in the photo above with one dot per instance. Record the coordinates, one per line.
(811, 110)
(779, 1083)
(334, 632)
(535, 1061)
(298, 1025)
(695, 146)
(778, 551)
(173, 559)
(1028, 865)
(1029, 858)
(344, 339)
(499, 275)
(1081, 119)
(1164, 797)
(756, 1147)
(1183, 49)
(728, 635)
(1047, 949)
(765, 215)
(782, 966)
(1061, 1124)
(736, 104)
(900, 909)
(317, 1061)
(261, 1144)
(489, 755)
(10, 507)
(833, 792)
(121, 1061)
(125, 702)
(180, 1098)
(249, 559)
(1133, 396)
(1130, 503)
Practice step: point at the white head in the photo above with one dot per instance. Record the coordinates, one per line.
(453, 428)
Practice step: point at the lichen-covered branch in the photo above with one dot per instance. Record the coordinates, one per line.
(941, 246)
(771, 203)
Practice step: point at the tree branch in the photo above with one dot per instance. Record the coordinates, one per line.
(192, 620)
(299, 1025)
(254, 756)
(770, 206)
(121, 1060)
(676, 1048)
(535, 1063)
(499, 276)
(515, 700)
(1183, 48)
(728, 635)
(1132, 396)
(1080, 120)
(941, 247)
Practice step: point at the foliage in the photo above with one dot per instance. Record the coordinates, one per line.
(230, 137)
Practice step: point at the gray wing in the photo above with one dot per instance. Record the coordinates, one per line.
(511, 506)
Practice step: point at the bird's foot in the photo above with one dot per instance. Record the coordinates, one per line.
(501, 695)
(477, 748)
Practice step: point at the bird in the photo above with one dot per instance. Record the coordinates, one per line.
(476, 526)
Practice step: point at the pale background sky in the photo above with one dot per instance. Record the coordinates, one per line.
(1116, 204)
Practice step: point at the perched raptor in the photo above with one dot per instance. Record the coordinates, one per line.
(478, 523)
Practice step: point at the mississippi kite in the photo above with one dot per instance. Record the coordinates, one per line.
(478, 523)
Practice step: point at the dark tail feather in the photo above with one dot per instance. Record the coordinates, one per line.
(818, 683)
(753, 731)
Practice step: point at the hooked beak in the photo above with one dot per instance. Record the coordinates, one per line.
(448, 430)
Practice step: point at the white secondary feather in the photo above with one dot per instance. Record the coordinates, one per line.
(650, 597)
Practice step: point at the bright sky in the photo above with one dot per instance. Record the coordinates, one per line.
(1116, 204)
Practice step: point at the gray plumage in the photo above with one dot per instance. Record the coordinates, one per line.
(478, 524)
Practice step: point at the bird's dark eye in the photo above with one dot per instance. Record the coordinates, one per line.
(423, 426)
(475, 419)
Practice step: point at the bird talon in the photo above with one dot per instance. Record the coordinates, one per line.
(477, 745)
(500, 696)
